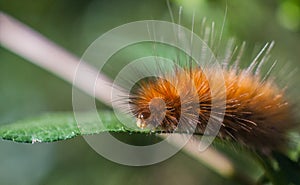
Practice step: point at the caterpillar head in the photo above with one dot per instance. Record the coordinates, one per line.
(152, 115)
(164, 103)
(156, 105)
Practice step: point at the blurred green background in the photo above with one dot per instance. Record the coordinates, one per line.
(27, 90)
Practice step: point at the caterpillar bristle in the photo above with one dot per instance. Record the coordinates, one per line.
(257, 113)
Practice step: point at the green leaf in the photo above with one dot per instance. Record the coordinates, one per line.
(288, 169)
(60, 126)
(279, 169)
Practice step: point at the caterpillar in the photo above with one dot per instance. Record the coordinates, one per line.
(257, 113)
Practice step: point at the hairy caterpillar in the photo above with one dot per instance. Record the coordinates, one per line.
(257, 112)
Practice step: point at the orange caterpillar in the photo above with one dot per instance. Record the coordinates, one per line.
(256, 113)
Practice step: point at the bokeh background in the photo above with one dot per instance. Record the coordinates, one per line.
(27, 90)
